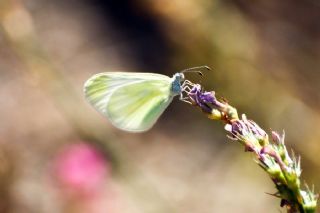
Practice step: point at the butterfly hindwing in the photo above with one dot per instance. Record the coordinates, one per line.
(131, 101)
(136, 107)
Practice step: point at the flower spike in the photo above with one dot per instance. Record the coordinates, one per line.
(271, 155)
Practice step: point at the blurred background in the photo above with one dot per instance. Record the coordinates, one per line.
(57, 154)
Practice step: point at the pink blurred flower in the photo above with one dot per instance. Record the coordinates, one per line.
(81, 169)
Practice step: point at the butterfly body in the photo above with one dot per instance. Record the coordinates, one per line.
(132, 101)
(176, 86)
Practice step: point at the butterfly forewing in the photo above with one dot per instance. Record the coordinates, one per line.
(131, 101)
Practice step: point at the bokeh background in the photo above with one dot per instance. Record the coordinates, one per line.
(57, 154)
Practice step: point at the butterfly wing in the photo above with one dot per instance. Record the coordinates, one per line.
(131, 101)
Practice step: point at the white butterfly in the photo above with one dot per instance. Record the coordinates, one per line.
(134, 101)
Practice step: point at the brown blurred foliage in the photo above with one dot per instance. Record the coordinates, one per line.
(265, 60)
(289, 33)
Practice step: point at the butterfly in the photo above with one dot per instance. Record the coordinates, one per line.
(134, 101)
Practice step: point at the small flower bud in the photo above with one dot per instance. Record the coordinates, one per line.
(276, 137)
(215, 115)
(272, 153)
(228, 128)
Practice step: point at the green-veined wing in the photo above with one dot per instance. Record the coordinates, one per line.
(131, 101)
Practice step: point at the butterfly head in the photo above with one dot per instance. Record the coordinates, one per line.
(176, 88)
(179, 84)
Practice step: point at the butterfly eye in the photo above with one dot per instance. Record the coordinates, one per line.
(178, 77)
(181, 76)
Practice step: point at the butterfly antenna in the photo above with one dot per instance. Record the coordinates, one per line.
(196, 69)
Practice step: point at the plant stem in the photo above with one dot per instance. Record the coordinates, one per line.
(271, 155)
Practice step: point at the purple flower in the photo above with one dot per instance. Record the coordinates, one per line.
(205, 100)
(245, 128)
(248, 133)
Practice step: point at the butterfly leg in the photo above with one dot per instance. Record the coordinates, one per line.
(184, 95)
(187, 83)
(189, 92)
